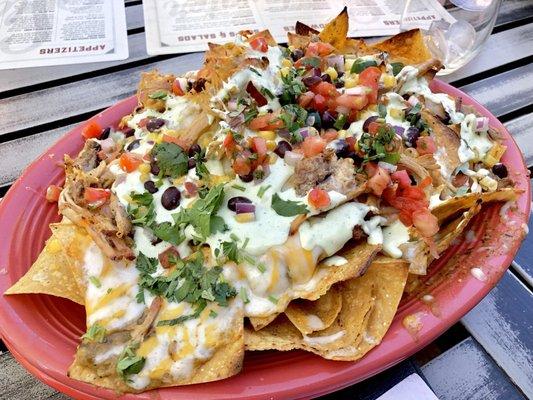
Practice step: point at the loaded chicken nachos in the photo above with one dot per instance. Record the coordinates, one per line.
(277, 198)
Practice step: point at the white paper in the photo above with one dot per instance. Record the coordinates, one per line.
(411, 388)
(179, 26)
(57, 32)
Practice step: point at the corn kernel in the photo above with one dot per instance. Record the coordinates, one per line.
(267, 135)
(144, 168)
(272, 158)
(245, 217)
(144, 177)
(488, 183)
(351, 81)
(396, 113)
(53, 246)
(332, 72)
(217, 179)
(389, 81)
(284, 71)
(494, 154)
(286, 63)
(179, 181)
(271, 145)
(342, 133)
(348, 64)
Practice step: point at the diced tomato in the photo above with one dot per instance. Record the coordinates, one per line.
(425, 145)
(259, 44)
(241, 166)
(190, 188)
(318, 49)
(91, 130)
(402, 177)
(425, 222)
(373, 128)
(129, 162)
(325, 89)
(305, 98)
(260, 147)
(379, 181)
(229, 142)
(176, 140)
(176, 87)
(353, 102)
(329, 135)
(351, 142)
(313, 145)
(371, 169)
(96, 196)
(52, 193)
(267, 122)
(169, 257)
(369, 77)
(319, 103)
(318, 198)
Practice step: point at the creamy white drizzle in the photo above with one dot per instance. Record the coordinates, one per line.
(395, 235)
(474, 145)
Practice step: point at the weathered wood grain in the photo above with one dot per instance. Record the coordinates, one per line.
(522, 130)
(496, 51)
(506, 92)
(503, 324)
(514, 10)
(17, 384)
(466, 372)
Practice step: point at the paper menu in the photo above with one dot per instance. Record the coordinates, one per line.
(58, 32)
(179, 26)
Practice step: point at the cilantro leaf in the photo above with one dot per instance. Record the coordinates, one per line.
(95, 333)
(287, 208)
(168, 232)
(129, 363)
(396, 67)
(171, 159)
(142, 212)
(361, 64)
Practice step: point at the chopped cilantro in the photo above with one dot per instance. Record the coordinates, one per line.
(129, 363)
(171, 159)
(293, 116)
(239, 187)
(245, 243)
(375, 147)
(95, 281)
(273, 299)
(250, 114)
(142, 211)
(244, 295)
(292, 87)
(201, 169)
(213, 314)
(287, 208)
(254, 71)
(267, 93)
(168, 232)
(179, 320)
(95, 333)
(231, 251)
(262, 190)
(340, 122)
(158, 95)
(261, 267)
(396, 67)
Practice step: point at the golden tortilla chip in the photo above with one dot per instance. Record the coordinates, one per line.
(298, 41)
(406, 47)
(452, 206)
(261, 322)
(352, 336)
(445, 139)
(336, 30)
(50, 274)
(304, 30)
(310, 316)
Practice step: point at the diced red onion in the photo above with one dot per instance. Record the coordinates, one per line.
(387, 167)
(291, 158)
(237, 121)
(357, 90)
(232, 104)
(482, 124)
(284, 133)
(316, 72)
(311, 80)
(399, 130)
(413, 100)
(304, 132)
(337, 62)
(191, 188)
(242, 208)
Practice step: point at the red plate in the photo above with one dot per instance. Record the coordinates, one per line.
(42, 331)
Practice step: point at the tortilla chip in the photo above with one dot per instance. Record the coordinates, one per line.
(304, 30)
(265, 34)
(446, 139)
(310, 316)
(406, 47)
(261, 322)
(336, 30)
(50, 274)
(454, 205)
(354, 336)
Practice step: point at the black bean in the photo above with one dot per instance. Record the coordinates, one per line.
(247, 178)
(297, 54)
(342, 148)
(327, 120)
(368, 121)
(105, 133)
(199, 84)
(154, 168)
(500, 170)
(411, 135)
(191, 163)
(128, 132)
(154, 124)
(171, 198)
(133, 145)
(232, 203)
(326, 78)
(282, 148)
(339, 84)
(311, 80)
(194, 149)
(150, 187)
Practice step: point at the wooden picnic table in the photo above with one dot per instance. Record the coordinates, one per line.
(487, 355)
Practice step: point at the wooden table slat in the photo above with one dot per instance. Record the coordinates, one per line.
(503, 324)
(466, 372)
(522, 130)
(514, 10)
